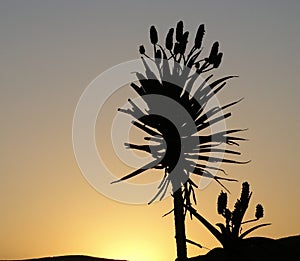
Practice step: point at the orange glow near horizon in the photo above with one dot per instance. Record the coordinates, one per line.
(135, 250)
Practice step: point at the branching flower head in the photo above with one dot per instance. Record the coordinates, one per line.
(181, 111)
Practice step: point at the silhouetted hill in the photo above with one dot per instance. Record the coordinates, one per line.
(258, 249)
(252, 248)
(69, 258)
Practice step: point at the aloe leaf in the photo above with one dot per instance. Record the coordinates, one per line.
(212, 85)
(252, 229)
(220, 150)
(215, 232)
(200, 125)
(199, 89)
(145, 128)
(162, 191)
(231, 104)
(193, 243)
(139, 90)
(137, 172)
(168, 213)
(150, 75)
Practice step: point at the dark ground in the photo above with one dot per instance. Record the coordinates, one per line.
(69, 258)
(257, 249)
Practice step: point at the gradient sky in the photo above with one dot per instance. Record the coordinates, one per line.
(51, 50)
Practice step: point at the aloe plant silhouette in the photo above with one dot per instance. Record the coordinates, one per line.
(182, 148)
(230, 234)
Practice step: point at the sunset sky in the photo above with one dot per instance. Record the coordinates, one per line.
(50, 50)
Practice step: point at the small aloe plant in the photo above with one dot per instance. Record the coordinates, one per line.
(230, 233)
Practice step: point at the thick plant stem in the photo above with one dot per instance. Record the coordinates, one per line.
(179, 225)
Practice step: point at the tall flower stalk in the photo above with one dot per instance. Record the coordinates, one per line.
(181, 146)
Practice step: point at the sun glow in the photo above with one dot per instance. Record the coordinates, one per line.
(135, 250)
